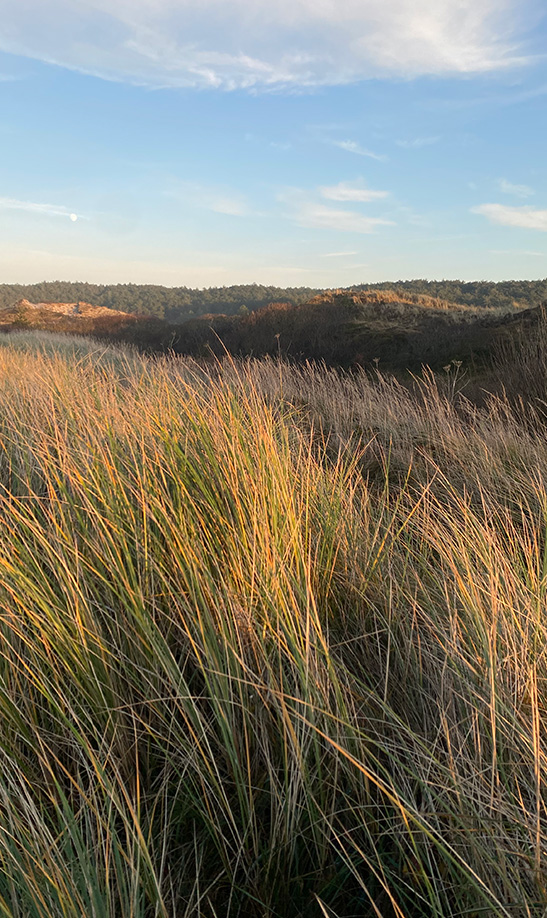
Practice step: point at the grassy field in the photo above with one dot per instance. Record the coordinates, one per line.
(273, 641)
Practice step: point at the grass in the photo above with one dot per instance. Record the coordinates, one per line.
(272, 642)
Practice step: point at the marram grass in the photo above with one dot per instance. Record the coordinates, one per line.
(272, 644)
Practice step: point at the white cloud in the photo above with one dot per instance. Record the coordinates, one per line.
(48, 210)
(351, 146)
(267, 43)
(346, 191)
(317, 216)
(304, 210)
(347, 221)
(417, 142)
(526, 217)
(338, 254)
(520, 191)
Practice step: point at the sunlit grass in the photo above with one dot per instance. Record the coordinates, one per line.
(272, 643)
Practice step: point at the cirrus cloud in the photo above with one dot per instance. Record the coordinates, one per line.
(38, 208)
(219, 200)
(346, 191)
(317, 216)
(417, 142)
(520, 191)
(525, 217)
(267, 43)
(351, 146)
(313, 215)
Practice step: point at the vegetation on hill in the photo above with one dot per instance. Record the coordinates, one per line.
(176, 304)
(273, 639)
(397, 331)
(347, 329)
(479, 294)
(394, 331)
(82, 318)
(24, 308)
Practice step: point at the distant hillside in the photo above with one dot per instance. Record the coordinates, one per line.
(36, 311)
(177, 304)
(391, 329)
(174, 304)
(480, 294)
(83, 318)
(396, 331)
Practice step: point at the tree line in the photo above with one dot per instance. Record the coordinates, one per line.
(177, 304)
(504, 295)
(174, 304)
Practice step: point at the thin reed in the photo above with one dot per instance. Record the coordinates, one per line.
(272, 643)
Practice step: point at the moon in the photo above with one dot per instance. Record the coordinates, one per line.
(74, 217)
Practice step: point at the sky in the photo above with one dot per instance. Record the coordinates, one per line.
(318, 143)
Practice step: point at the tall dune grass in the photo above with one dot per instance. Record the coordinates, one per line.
(272, 644)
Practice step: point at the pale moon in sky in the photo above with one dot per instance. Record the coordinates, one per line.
(74, 217)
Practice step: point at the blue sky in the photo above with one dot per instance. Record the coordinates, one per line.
(291, 142)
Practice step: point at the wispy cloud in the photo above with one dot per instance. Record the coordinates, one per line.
(417, 142)
(32, 207)
(219, 200)
(338, 254)
(526, 217)
(313, 215)
(347, 191)
(351, 146)
(317, 216)
(232, 207)
(489, 100)
(244, 43)
(520, 191)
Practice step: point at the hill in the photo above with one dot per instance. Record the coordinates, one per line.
(396, 331)
(391, 329)
(66, 309)
(480, 294)
(174, 304)
(177, 304)
(39, 311)
(82, 318)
